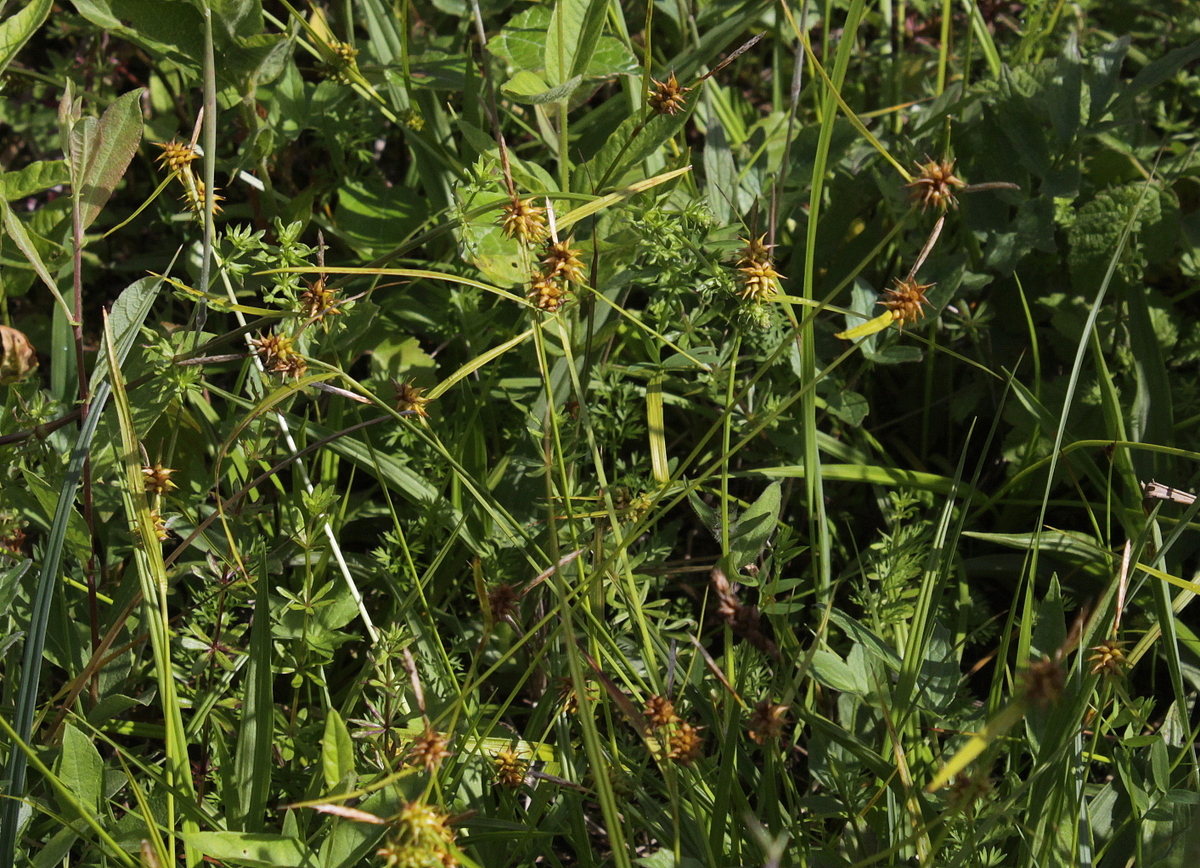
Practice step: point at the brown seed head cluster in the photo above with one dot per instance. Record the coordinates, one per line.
(659, 711)
(1107, 658)
(684, 744)
(758, 276)
(568, 696)
(968, 790)
(560, 268)
(767, 721)
(319, 300)
(428, 749)
(279, 356)
(668, 97)
(410, 399)
(158, 479)
(934, 185)
(509, 768)
(502, 599)
(520, 218)
(546, 293)
(904, 300)
(420, 838)
(743, 619)
(1042, 683)
(562, 262)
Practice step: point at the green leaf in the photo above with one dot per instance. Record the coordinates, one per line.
(1157, 72)
(832, 671)
(706, 515)
(252, 763)
(754, 527)
(81, 769)
(257, 849)
(36, 177)
(851, 407)
(522, 42)
(938, 680)
(636, 139)
(721, 191)
(16, 231)
(172, 29)
(579, 23)
(527, 87)
(10, 581)
(125, 319)
(19, 26)
(100, 152)
(503, 261)
(77, 538)
(239, 18)
(349, 843)
(372, 216)
(1104, 73)
(1098, 228)
(337, 754)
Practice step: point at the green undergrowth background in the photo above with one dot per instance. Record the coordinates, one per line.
(327, 538)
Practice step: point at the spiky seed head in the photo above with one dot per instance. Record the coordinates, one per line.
(412, 119)
(904, 300)
(755, 251)
(668, 97)
(410, 398)
(279, 356)
(758, 282)
(503, 602)
(1107, 658)
(757, 275)
(428, 749)
(509, 768)
(520, 218)
(343, 67)
(562, 262)
(546, 293)
(158, 479)
(193, 195)
(176, 155)
(420, 838)
(319, 300)
(767, 721)
(934, 185)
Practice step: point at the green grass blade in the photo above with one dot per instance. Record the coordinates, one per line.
(252, 756)
(153, 577)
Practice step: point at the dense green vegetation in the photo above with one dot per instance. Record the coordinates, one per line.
(559, 438)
